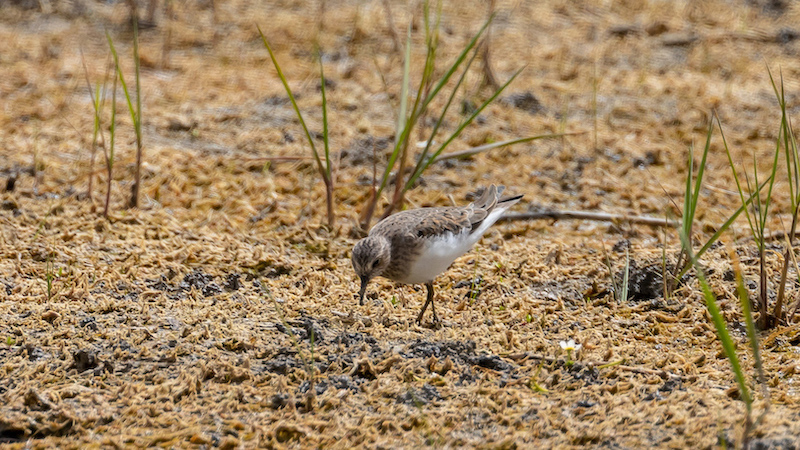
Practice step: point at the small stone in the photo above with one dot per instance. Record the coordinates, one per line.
(229, 443)
(678, 39)
(180, 124)
(656, 28)
(50, 316)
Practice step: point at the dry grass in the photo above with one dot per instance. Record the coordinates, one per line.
(148, 340)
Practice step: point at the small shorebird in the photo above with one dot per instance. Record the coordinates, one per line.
(415, 246)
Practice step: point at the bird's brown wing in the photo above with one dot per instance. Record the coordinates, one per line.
(407, 231)
(426, 222)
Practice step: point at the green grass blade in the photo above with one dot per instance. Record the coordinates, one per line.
(664, 277)
(420, 104)
(733, 217)
(431, 42)
(419, 109)
(758, 209)
(625, 277)
(725, 338)
(790, 152)
(325, 120)
(403, 113)
(423, 156)
(688, 212)
(738, 183)
(137, 124)
(752, 335)
(477, 111)
(790, 147)
(458, 130)
(730, 221)
(403, 122)
(763, 212)
(112, 128)
(314, 151)
(721, 328)
(610, 268)
(460, 59)
(725, 226)
(795, 160)
(701, 169)
(97, 111)
(134, 114)
(772, 81)
(495, 145)
(792, 162)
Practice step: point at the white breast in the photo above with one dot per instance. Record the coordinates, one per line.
(437, 255)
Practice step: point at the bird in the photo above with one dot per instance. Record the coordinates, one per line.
(417, 245)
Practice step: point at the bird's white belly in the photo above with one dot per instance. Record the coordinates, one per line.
(437, 256)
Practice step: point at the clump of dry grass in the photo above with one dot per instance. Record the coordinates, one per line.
(227, 214)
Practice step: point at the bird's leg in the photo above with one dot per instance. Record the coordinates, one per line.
(428, 300)
(433, 308)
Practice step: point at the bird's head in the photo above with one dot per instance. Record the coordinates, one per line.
(371, 256)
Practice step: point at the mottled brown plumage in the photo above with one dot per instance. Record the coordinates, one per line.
(415, 246)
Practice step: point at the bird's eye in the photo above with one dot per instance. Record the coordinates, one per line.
(376, 263)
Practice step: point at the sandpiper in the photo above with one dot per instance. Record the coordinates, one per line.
(415, 246)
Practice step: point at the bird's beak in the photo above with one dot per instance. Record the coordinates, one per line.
(364, 282)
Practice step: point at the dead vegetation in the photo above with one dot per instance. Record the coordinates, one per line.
(222, 311)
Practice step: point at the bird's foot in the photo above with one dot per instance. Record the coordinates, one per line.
(435, 324)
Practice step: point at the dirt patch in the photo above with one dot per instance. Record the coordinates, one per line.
(222, 313)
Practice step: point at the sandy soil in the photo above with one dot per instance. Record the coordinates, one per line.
(188, 322)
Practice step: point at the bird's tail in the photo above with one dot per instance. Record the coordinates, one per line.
(508, 201)
(488, 199)
(491, 207)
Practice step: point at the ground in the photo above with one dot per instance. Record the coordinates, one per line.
(222, 311)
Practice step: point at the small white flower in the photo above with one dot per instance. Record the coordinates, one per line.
(570, 345)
